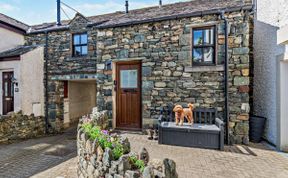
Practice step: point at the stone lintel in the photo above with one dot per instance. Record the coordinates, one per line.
(75, 77)
(128, 59)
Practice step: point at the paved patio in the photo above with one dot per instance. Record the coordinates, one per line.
(257, 160)
(55, 157)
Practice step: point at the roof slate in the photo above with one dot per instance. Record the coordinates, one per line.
(16, 51)
(149, 14)
(13, 22)
(173, 10)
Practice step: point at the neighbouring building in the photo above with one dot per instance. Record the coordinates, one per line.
(21, 70)
(133, 63)
(270, 69)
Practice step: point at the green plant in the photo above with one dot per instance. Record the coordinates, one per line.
(117, 151)
(104, 139)
(139, 164)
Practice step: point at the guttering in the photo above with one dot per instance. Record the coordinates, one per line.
(226, 76)
(63, 28)
(175, 17)
(12, 28)
(10, 58)
(46, 83)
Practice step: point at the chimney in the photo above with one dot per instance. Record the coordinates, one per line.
(127, 7)
(160, 3)
(58, 12)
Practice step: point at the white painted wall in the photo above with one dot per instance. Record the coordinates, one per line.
(29, 74)
(82, 98)
(271, 14)
(9, 39)
(11, 66)
(32, 82)
(283, 104)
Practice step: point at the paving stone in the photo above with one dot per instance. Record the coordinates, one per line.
(28, 159)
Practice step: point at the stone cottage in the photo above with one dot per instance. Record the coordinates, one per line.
(132, 63)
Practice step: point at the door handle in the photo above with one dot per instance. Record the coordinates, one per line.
(8, 99)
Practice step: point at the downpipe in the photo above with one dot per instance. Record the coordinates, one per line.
(226, 76)
(46, 83)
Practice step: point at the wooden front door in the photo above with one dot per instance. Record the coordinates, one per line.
(8, 92)
(128, 95)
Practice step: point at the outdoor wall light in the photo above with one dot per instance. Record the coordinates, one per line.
(14, 81)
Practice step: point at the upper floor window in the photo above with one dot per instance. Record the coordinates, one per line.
(80, 44)
(203, 46)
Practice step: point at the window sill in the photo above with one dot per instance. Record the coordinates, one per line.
(218, 68)
(73, 58)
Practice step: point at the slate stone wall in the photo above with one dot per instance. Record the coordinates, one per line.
(62, 65)
(16, 126)
(167, 72)
(168, 75)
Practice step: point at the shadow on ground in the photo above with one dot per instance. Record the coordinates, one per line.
(30, 157)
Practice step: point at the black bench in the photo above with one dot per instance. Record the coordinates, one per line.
(206, 132)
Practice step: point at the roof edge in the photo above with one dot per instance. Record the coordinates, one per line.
(26, 25)
(194, 14)
(13, 28)
(13, 56)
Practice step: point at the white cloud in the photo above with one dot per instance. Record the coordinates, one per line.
(4, 7)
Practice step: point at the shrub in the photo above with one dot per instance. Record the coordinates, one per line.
(139, 164)
(106, 141)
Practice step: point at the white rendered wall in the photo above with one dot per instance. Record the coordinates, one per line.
(82, 98)
(271, 14)
(9, 39)
(283, 105)
(32, 82)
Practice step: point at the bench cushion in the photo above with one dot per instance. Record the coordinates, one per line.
(196, 127)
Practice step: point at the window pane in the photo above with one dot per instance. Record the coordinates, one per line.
(84, 39)
(209, 36)
(77, 51)
(197, 54)
(84, 50)
(128, 78)
(6, 88)
(208, 55)
(197, 37)
(76, 39)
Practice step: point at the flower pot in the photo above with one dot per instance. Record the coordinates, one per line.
(256, 128)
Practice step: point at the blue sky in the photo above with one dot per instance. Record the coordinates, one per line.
(40, 11)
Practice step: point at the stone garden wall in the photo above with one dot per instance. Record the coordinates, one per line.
(93, 161)
(16, 126)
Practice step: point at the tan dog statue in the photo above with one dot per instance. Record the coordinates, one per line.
(181, 113)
